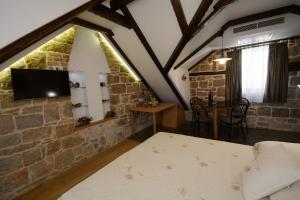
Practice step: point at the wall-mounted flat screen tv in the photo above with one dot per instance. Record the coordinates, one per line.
(31, 83)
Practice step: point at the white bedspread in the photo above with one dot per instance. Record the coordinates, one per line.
(169, 167)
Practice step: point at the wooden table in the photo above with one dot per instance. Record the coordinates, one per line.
(216, 110)
(172, 114)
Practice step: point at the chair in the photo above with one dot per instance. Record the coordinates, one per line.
(244, 105)
(230, 122)
(202, 117)
(194, 101)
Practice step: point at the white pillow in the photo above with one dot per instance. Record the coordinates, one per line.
(290, 193)
(291, 148)
(272, 170)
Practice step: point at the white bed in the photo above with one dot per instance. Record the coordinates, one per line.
(169, 167)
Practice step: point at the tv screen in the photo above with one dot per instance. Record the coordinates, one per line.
(31, 83)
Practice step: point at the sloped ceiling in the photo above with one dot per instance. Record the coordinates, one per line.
(21, 17)
(235, 10)
(158, 23)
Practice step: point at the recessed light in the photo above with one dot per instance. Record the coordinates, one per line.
(298, 86)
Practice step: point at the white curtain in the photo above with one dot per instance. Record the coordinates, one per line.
(254, 72)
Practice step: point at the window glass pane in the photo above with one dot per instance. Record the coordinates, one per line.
(254, 72)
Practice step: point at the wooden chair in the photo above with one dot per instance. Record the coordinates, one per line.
(194, 102)
(204, 118)
(244, 105)
(230, 122)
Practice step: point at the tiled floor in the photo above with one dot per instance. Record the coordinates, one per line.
(254, 135)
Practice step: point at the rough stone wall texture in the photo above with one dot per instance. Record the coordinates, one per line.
(37, 137)
(200, 85)
(283, 116)
(124, 92)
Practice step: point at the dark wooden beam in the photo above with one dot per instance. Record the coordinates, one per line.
(111, 15)
(133, 67)
(177, 7)
(92, 26)
(151, 53)
(217, 34)
(222, 3)
(38, 34)
(271, 13)
(186, 37)
(201, 60)
(217, 8)
(117, 4)
(261, 15)
(294, 66)
(207, 73)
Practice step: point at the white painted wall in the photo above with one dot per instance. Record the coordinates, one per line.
(17, 18)
(88, 57)
(189, 8)
(235, 10)
(183, 86)
(158, 22)
(33, 47)
(290, 27)
(134, 49)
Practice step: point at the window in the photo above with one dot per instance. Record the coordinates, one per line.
(254, 72)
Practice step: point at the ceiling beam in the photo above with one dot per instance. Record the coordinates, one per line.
(111, 15)
(266, 14)
(117, 4)
(222, 3)
(217, 34)
(151, 53)
(186, 37)
(43, 31)
(177, 7)
(132, 66)
(207, 73)
(95, 27)
(201, 60)
(216, 9)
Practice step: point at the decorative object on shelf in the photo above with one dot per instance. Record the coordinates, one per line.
(141, 101)
(105, 100)
(152, 102)
(77, 105)
(210, 99)
(183, 77)
(82, 121)
(102, 84)
(74, 85)
(223, 59)
(110, 114)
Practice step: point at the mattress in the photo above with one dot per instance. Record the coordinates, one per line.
(169, 167)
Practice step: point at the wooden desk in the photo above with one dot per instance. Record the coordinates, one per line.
(216, 110)
(172, 114)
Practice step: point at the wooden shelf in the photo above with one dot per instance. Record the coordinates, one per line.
(94, 123)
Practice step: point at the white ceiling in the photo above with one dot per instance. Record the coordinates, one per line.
(158, 22)
(235, 10)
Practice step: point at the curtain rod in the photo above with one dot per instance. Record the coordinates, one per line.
(261, 43)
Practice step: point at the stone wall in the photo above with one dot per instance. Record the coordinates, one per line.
(124, 92)
(200, 85)
(38, 139)
(284, 116)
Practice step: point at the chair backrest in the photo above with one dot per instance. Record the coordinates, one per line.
(195, 101)
(244, 105)
(203, 114)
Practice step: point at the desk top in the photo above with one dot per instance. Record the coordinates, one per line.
(160, 107)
